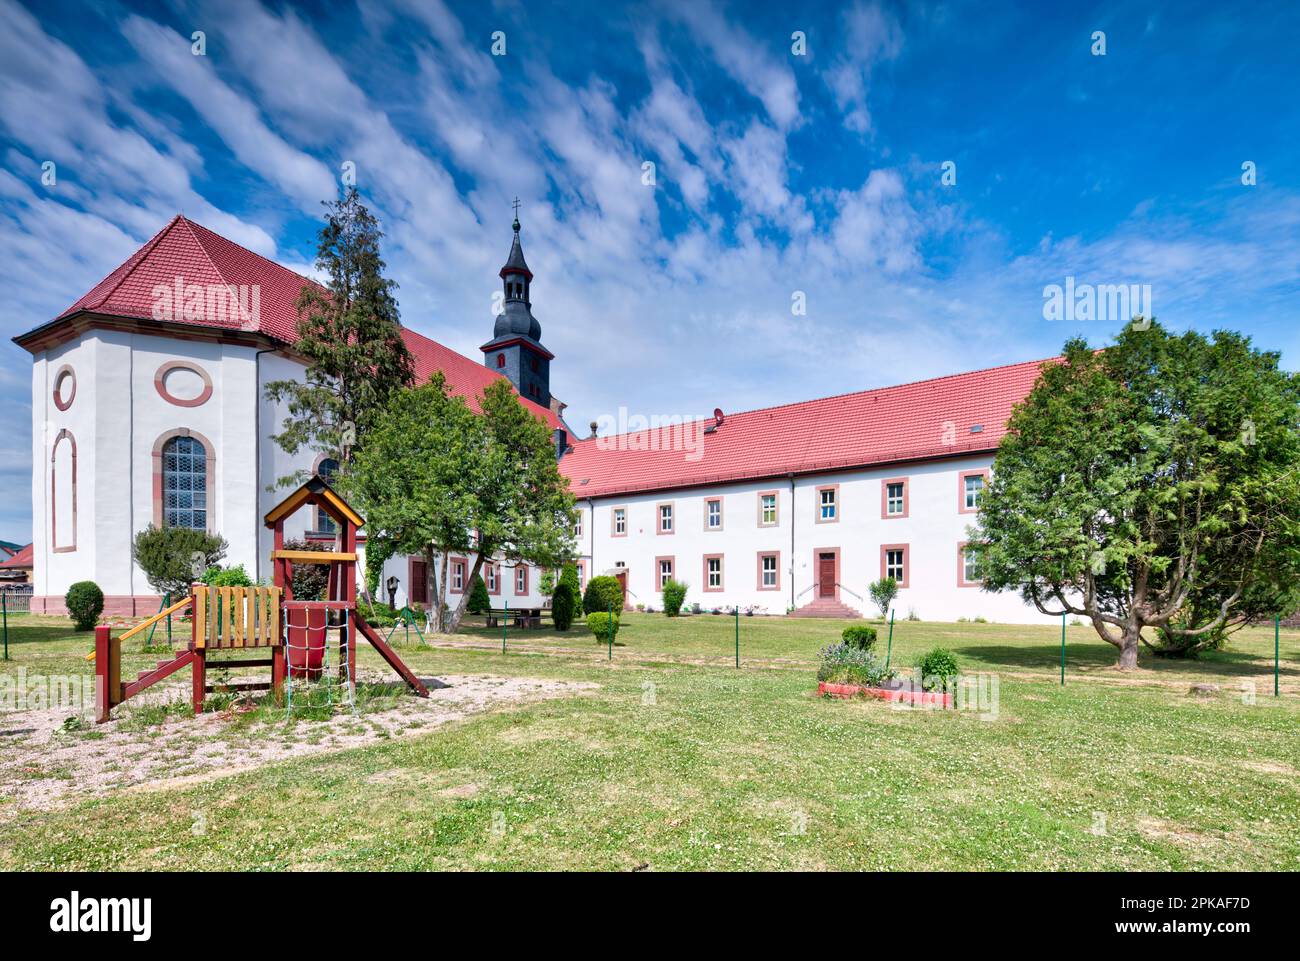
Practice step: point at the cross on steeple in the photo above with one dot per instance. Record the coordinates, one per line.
(516, 206)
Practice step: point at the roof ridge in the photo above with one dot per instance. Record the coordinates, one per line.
(139, 257)
(248, 250)
(858, 393)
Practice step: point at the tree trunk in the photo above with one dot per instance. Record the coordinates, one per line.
(1128, 648)
(430, 578)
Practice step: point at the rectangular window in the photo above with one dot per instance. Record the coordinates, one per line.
(713, 572)
(968, 568)
(893, 498)
(767, 516)
(713, 514)
(663, 571)
(493, 579)
(968, 493)
(769, 578)
(894, 562)
(521, 580)
(458, 577)
(582, 575)
(665, 518)
(577, 524)
(828, 511)
(619, 523)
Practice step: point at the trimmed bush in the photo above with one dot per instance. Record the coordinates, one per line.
(603, 594)
(598, 622)
(85, 602)
(168, 557)
(569, 575)
(218, 576)
(674, 597)
(480, 601)
(563, 603)
(938, 669)
(859, 636)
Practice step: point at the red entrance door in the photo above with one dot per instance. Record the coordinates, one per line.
(826, 575)
(622, 582)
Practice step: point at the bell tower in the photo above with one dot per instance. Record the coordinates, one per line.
(515, 349)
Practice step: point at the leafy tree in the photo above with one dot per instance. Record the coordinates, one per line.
(436, 478)
(1155, 484)
(480, 601)
(350, 334)
(546, 583)
(173, 558)
(883, 593)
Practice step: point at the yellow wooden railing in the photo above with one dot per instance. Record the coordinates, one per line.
(236, 616)
(147, 622)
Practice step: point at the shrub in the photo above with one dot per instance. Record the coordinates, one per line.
(546, 583)
(378, 615)
(218, 576)
(938, 668)
(859, 636)
(598, 622)
(845, 664)
(480, 601)
(85, 602)
(674, 597)
(603, 593)
(883, 593)
(173, 557)
(563, 603)
(569, 575)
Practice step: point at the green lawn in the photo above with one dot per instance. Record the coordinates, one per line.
(679, 761)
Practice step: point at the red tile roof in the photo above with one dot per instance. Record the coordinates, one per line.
(926, 419)
(20, 560)
(188, 250)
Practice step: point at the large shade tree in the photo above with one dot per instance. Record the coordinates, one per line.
(436, 478)
(1152, 485)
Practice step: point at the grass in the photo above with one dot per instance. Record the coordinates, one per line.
(680, 761)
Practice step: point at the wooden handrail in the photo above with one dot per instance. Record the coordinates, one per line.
(146, 623)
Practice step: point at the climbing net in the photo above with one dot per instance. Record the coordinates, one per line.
(320, 688)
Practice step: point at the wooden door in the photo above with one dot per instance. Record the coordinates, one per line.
(826, 575)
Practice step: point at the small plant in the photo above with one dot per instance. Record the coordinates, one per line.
(845, 664)
(599, 624)
(938, 668)
(883, 593)
(480, 601)
(603, 593)
(235, 576)
(912, 615)
(979, 620)
(859, 636)
(640, 608)
(85, 602)
(674, 596)
(546, 583)
(563, 604)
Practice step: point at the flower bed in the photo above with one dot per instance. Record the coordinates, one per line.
(904, 694)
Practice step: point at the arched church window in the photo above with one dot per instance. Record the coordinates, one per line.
(185, 484)
(501, 360)
(63, 492)
(326, 469)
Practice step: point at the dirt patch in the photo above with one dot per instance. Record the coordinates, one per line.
(44, 767)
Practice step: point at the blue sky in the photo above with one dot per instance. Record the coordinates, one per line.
(775, 173)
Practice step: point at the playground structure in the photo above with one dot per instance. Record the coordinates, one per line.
(294, 633)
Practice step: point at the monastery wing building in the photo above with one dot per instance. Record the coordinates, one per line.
(148, 407)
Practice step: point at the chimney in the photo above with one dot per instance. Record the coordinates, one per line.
(561, 441)
(593, 430)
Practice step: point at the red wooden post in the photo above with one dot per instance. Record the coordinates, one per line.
(199, 679)
(103, 697)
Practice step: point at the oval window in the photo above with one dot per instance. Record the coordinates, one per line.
(65, 387)
(183, 384)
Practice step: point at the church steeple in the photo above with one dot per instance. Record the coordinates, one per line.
(516, 347)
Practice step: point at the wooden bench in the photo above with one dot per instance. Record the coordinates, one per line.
(524, 617)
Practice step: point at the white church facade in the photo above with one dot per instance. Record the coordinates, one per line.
(148, 406)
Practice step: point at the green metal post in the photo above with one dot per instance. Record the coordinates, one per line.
(611, 632)
(167, 599)
(505, 622)
(1277, 631)
(737, 636)
(4, 612)
(889, 651)
(1062, 649)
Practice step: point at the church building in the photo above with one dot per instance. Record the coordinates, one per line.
(148, 406)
